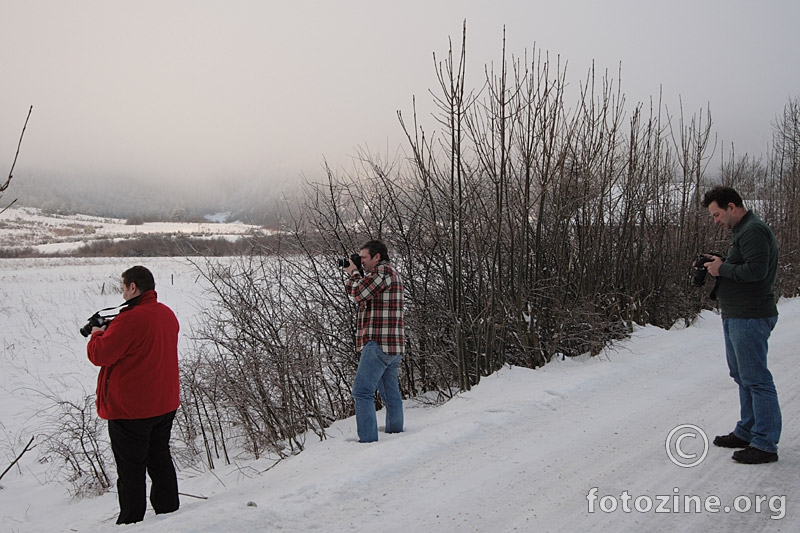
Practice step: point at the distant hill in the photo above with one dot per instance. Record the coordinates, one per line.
(252, 201)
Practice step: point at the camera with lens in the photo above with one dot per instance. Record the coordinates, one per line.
(95, 321)
(700, 271)
(356, 260)
(99, 320)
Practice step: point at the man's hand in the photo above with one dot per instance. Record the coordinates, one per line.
(713, 266)
(350, 268)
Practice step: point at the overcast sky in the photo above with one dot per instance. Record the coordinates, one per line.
(202, 89)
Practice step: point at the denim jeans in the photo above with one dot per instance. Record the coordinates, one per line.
(746, 351)
(376, 370)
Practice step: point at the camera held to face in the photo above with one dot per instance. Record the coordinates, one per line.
(356, 260)
(95, 321)
(700, 271)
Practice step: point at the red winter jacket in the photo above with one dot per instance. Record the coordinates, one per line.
(138, 359)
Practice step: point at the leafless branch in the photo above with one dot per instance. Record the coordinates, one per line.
(5, 185)
(27, 448)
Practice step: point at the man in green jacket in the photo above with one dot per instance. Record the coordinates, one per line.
(746, 297)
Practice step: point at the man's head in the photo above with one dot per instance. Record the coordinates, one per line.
(725, 205)
(372, 253)
(135, 281)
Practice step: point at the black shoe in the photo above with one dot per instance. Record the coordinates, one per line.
(730, 441)
(754, 456)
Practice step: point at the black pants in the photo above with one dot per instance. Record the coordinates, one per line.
(141, 446)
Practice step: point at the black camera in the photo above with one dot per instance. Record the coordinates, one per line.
(95, 321)
(356, 259)
(98, 320)
(700, 271)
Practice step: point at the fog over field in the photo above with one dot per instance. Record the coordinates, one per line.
(260, 202)
(234, 102)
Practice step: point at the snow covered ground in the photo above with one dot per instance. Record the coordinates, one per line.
(26, 226)
(579, 445)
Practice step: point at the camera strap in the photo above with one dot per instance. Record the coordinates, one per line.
(133, 301)
(713, 295)
(126, 305)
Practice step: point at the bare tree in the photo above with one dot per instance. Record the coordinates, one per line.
(525, 229)
(781, 195)
(5, 185)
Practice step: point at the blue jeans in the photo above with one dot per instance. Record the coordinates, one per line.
(746, 351)
(376, 370)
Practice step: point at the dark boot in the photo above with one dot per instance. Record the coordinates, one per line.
(730, 441)
(754, 456)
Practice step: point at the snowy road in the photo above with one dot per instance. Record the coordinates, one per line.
(522, 451)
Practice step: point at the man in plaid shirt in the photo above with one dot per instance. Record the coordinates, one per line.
(379, 295)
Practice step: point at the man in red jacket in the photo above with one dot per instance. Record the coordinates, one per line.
(138, 393)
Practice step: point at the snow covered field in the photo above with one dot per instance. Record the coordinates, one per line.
(576, 446)
(25, 226)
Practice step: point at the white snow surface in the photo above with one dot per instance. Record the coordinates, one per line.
(521, 451)
(50, 233)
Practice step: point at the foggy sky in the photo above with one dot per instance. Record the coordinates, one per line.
(202, 89)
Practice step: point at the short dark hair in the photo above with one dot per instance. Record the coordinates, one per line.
(376, 247)
(723, 196)
(139, 275)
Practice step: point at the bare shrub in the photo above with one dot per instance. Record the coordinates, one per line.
(264, 372)
(74, 441)
(525, 229)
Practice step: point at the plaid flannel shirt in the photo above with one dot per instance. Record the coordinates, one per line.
(379, 295)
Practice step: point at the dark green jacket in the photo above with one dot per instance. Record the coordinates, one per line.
(748, 273)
